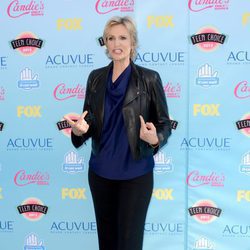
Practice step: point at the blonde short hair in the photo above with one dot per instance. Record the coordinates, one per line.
(130, 25)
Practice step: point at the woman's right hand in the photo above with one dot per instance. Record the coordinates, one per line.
(79, 127)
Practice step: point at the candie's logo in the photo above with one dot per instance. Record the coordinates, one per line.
(63, 92)
(18, 8)
(172, 90)
(195, 179)
(107, 6)
(201, 5)
(22, 178)
(32, 209)
(242, 90)
(204, 211)
(27, 44)
(208, 39)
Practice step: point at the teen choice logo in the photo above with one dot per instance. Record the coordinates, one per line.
(27, 44)
(204, 211)
(32, 209)
(208, 39)
(244, 125)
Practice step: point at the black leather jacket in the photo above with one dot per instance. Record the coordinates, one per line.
(144, 96)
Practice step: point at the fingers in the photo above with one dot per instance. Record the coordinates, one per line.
(83, 115)
(146, 125)
(150, 126)
(148, 132)
(71, 123)
(143, 124)
(80, 126)
(80, 120)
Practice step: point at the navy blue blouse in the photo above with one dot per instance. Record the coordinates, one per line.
(114, 161)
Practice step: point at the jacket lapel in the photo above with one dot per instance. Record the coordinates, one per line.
(100, 91)
(133, 90)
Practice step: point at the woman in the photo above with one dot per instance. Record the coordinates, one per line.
(126, 115)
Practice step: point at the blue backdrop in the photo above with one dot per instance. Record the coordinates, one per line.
(201, 49)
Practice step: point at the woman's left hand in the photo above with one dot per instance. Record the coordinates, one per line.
(148, 132)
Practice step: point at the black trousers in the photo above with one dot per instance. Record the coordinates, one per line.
(120, 209)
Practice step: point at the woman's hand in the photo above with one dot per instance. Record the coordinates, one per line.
(148, 132)
(79, 127)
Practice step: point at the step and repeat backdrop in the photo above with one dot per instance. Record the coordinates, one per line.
(201, 197)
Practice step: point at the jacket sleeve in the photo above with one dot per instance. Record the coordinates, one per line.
(77, 141)
(159, 111)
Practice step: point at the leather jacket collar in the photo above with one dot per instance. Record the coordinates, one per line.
(132, 92)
